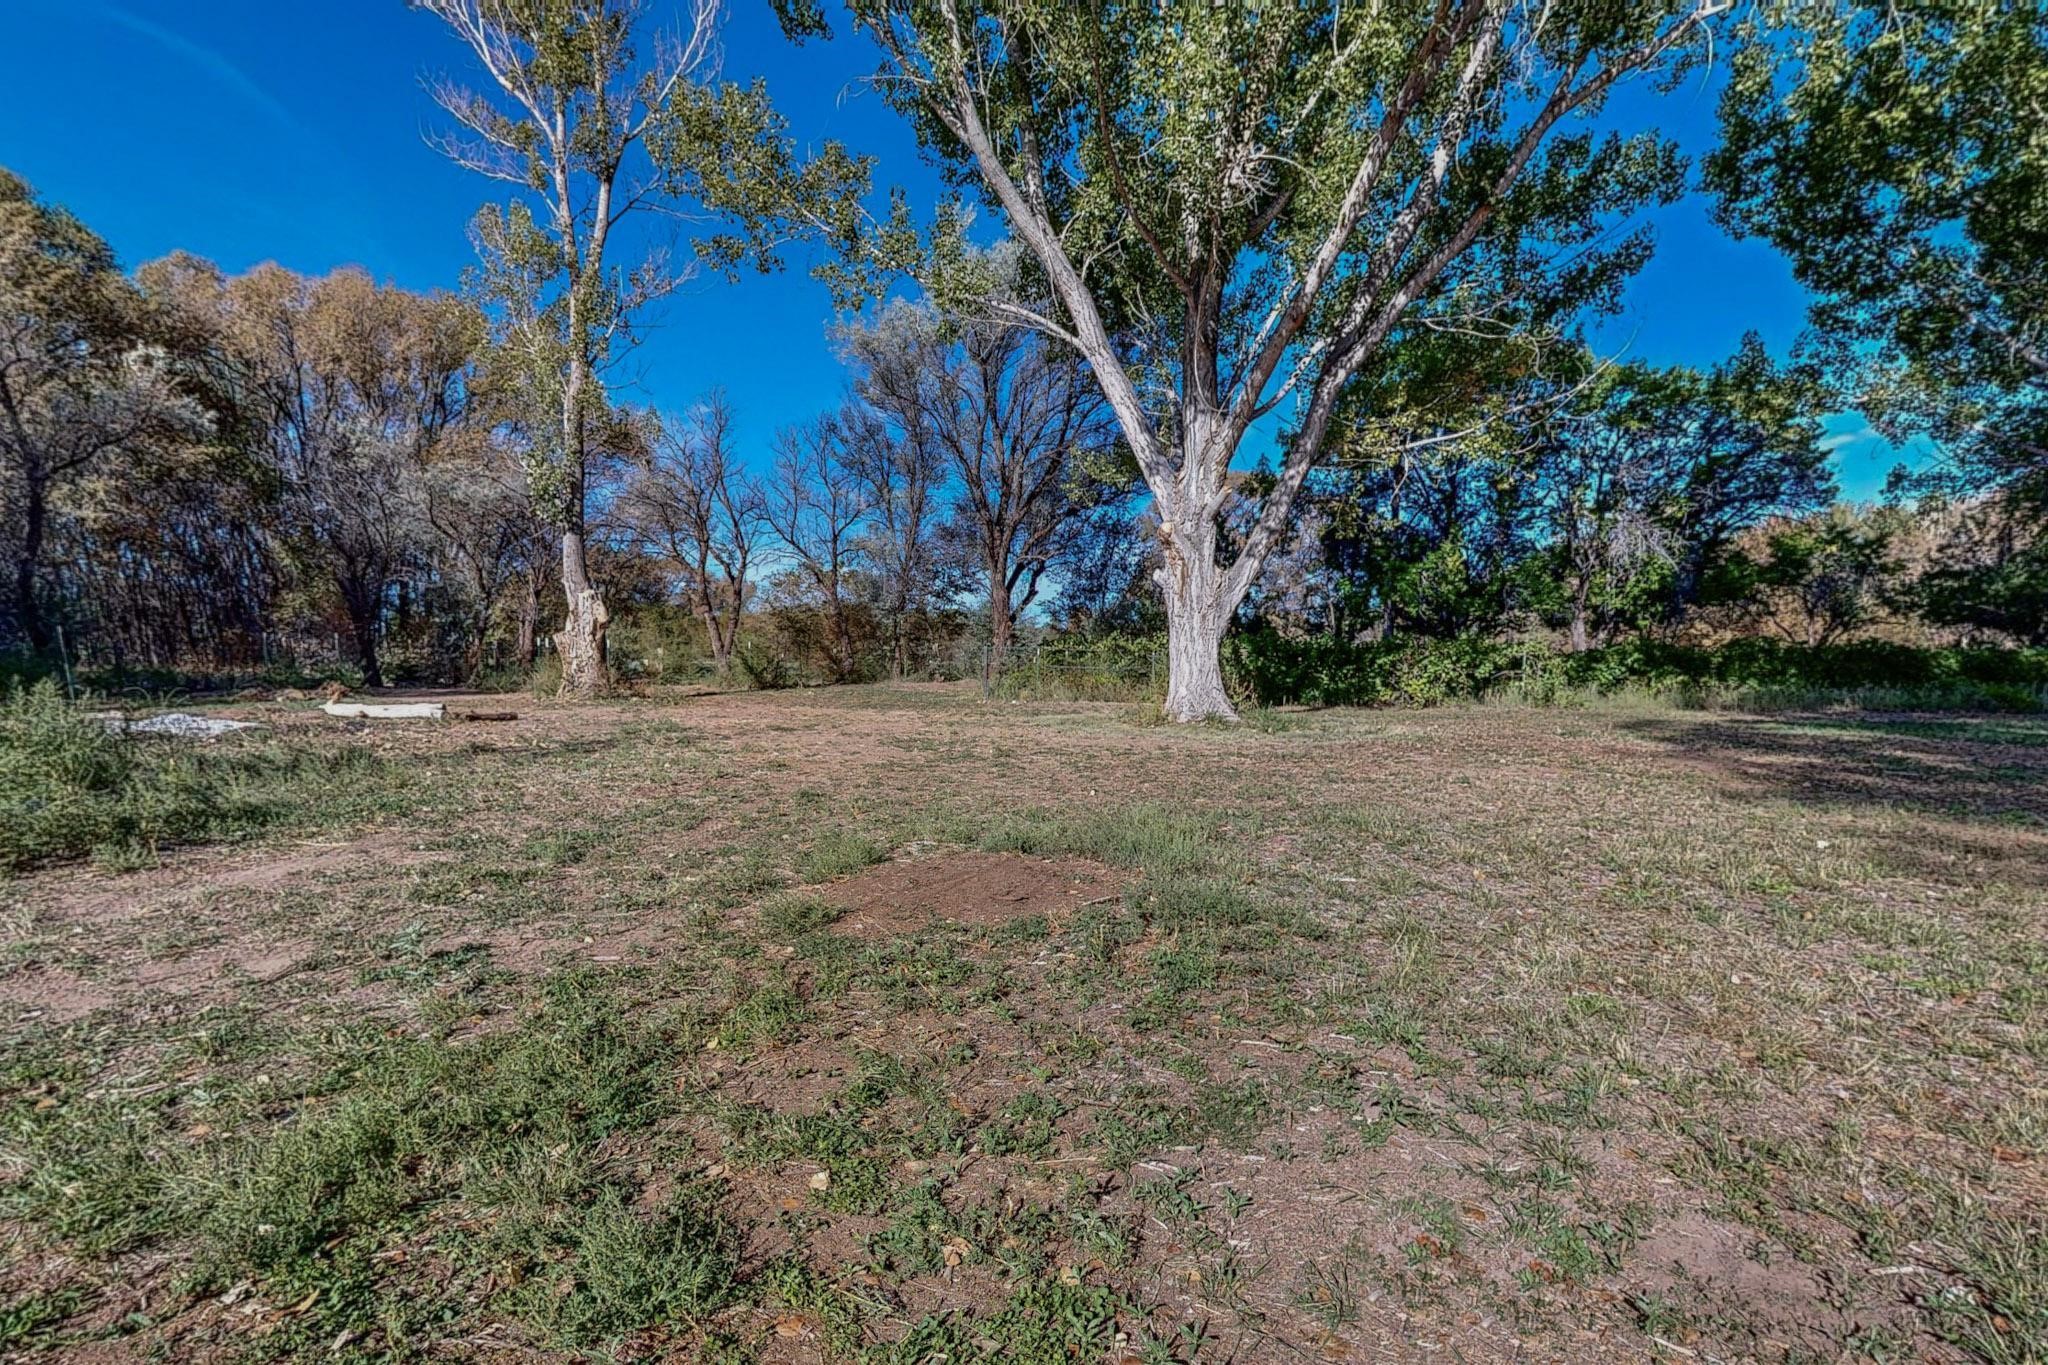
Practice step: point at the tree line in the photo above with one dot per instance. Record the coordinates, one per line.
(219, 471)
(1286, 333)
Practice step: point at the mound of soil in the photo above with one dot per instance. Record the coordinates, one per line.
(968, 888)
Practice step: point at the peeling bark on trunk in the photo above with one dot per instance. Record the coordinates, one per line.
(581, 645)
(581, 640)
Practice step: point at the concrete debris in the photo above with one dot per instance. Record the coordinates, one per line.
(177, 724)
(413, 710)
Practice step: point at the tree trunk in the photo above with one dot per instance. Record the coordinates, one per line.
(363, 625)
(721, 645)
(28, 608)
(527, 646)
(1196, 617)
(581, 638)
(842, 633)
(1580, 642)
(1000, 629)
(473, 649)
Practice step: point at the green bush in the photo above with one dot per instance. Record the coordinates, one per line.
(764, 668)
(1320, 671)
(1090, 668)
(544, 679)
(26, 669)
(1773, 673)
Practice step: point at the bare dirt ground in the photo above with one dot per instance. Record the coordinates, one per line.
(886, 1024)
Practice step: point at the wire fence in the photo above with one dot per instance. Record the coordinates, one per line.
(1108, 669)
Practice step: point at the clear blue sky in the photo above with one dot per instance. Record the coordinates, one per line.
(249, 131)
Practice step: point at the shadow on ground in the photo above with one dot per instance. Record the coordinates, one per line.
(1992, 770)
(1987, 774)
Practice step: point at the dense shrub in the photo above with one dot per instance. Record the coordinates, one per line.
(19, 669)
(1086, 668)
(1320, 671)
(2002, 677)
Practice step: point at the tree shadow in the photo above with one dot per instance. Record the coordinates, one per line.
(1988, 773)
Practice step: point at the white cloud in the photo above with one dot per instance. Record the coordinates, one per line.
(208, 60)
(1840, 439)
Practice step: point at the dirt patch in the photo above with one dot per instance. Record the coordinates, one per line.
(50, 995)
(971, 889)
(1694, 1256)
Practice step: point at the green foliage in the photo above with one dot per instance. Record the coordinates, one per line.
(1584, 494)
(70, 787)
(765, 668)
(1320, 671)
(1994, 577)
(1823, 576)
(1891, 149)
(1288, 196)
(1086, 668)
(1767, 663)
(794, 914)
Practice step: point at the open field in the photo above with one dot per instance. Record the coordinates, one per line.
(876, 1024)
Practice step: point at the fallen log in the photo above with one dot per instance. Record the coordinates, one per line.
(487, 715)
(406, 710)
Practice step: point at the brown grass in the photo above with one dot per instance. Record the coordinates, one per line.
(1480, 1033)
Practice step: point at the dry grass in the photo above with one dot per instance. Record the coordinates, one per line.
(1479, 1033)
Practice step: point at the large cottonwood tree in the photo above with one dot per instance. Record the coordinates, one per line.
(1235, 207)
(599, 119)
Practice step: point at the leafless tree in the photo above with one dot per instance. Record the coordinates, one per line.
(1029, 444)
(690, 502)
(816, 506)
(905, 480)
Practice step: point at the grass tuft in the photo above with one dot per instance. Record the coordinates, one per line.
(71, 788)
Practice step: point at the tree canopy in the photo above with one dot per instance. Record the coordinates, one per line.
(1236, 208)
(1897, 153)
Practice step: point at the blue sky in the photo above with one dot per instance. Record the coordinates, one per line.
(249, 131)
